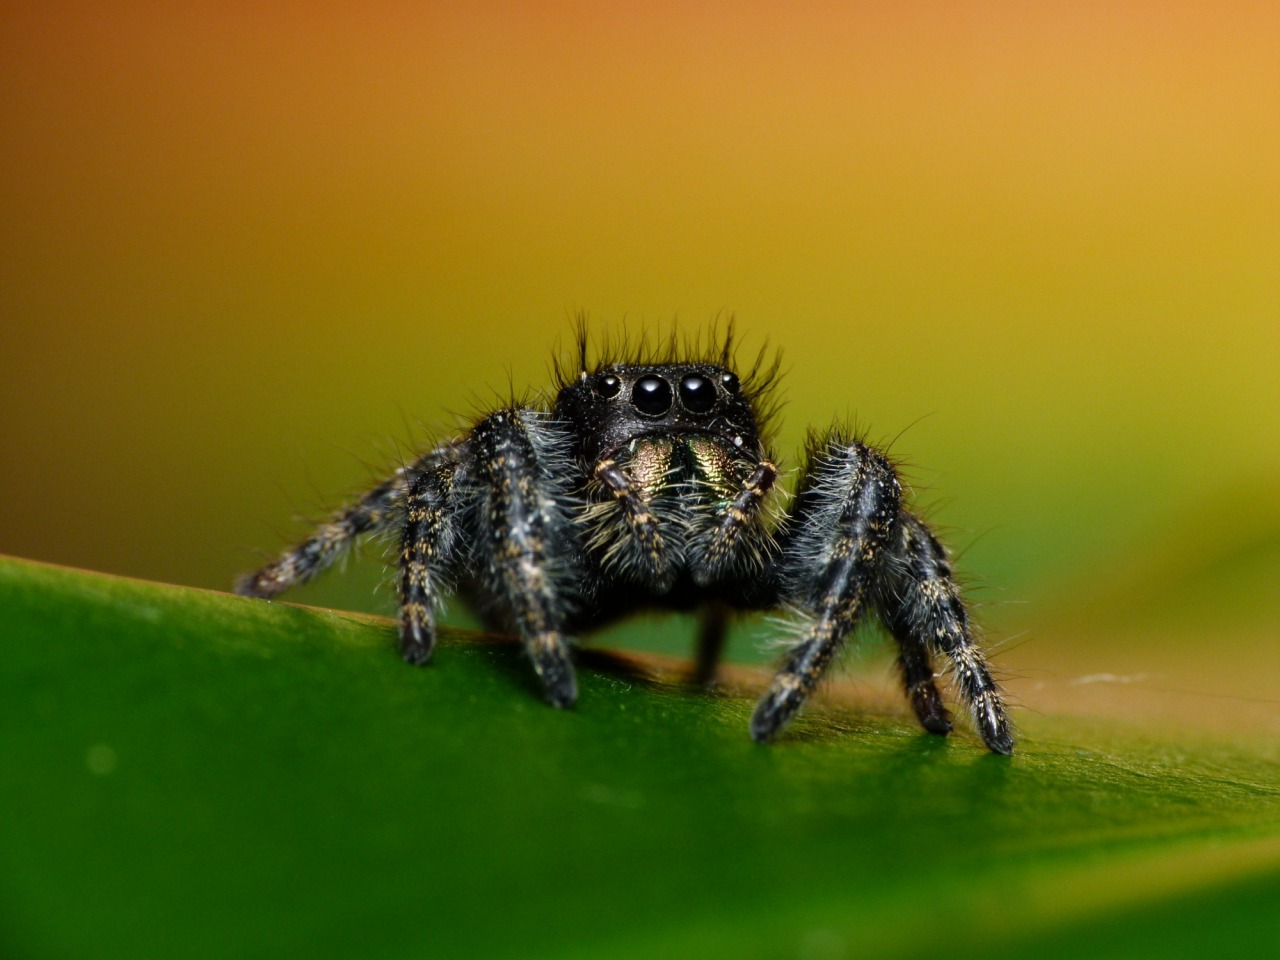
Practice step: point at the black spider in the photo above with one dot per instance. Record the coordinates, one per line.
(649, 483)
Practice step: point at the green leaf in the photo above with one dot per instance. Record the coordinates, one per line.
(190, 774)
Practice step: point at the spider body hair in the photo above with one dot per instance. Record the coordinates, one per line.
(648, 481)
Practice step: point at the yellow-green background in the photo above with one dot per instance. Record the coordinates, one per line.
(251, 252)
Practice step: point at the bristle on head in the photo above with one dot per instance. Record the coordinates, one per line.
(715, 344)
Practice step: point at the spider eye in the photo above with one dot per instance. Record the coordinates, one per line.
(607, 387)
(730, 382)
(651, 396)
(697, 393)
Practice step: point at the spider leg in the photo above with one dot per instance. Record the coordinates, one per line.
(919, 682)
(422, 495)
(651, 552)
(428, 547)
(711, 637)
(376, 510)
(523, 545)
(721, 546)
(922, 607)
(840, 527)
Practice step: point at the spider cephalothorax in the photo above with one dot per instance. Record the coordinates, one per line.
(647, 482)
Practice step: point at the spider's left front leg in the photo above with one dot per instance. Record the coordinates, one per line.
(841, 526)
(524, 543)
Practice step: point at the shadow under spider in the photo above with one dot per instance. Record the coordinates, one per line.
(510, 659)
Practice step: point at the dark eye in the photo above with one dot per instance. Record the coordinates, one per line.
(608, 386)
(730, 381)
(651, 396)
(697, 393)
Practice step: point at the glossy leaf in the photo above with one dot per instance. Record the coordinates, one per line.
(190, 774)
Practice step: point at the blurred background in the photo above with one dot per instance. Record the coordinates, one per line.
(251, 255)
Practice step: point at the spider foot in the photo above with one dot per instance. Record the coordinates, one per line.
(416, 652)
(993, 725)
(553, 666)
(775, 708)
(927, 704)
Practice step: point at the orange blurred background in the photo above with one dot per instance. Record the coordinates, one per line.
(251, 253)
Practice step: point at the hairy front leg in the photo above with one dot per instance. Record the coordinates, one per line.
(524, 542)
(840, 528)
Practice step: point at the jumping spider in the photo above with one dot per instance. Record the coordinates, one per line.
(649, 483)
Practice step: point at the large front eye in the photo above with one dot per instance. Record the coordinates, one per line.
(697, 393)
(651, 396)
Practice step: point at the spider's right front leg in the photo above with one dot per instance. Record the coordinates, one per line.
(841, 525)
(524, 546)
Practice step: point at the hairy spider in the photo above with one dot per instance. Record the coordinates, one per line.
(648, 482)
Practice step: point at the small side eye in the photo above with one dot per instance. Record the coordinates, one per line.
(651, 396)
(607, 387)
(697, 393)
(730, 383)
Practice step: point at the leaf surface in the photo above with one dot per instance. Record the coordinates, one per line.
(191, 774)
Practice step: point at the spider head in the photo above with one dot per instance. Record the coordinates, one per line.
(618, 403)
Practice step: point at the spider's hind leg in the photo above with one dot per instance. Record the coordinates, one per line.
(376, 510)
(921, 605)
(428, 549)
(422, 497)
